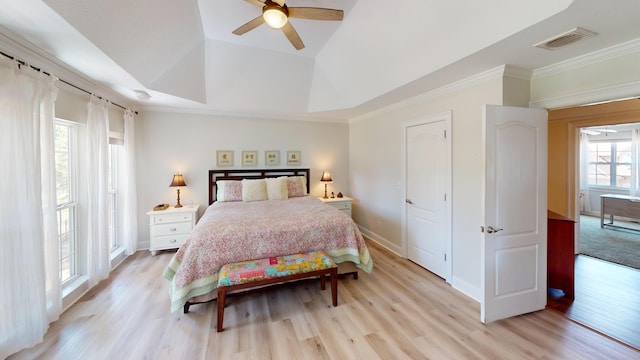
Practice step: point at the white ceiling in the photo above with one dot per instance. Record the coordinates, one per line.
(184, 55)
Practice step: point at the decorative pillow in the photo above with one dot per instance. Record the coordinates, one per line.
(296, 186)
(229, 190)
(254, 190)
(277, 188)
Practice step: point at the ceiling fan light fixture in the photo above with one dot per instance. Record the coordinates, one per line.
(590, 132)
(274, 16)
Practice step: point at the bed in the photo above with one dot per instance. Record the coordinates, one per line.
(243, 223)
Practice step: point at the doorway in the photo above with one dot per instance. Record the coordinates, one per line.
(599, 285)
(608, 165)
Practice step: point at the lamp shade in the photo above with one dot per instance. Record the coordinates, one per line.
(326, 177)
(178, 180)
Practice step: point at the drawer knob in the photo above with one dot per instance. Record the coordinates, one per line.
(172, 241)
(172, 229)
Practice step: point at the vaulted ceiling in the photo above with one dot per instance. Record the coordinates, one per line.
(183, 54)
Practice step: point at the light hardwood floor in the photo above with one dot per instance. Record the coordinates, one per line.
(607, 298)
(400, 311)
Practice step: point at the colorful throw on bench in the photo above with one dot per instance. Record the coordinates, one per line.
(255, 270)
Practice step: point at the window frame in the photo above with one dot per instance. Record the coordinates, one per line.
(71, 205)
(114, 195)
(612, 164)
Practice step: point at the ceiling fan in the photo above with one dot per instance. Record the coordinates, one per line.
(276, 14)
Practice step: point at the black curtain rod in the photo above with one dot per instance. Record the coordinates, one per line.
(61, 80)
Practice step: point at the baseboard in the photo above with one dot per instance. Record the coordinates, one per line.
(143, 245)
(474, 292)
(385, 243)
(466, 288)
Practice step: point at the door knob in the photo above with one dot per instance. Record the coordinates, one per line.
(409, 201)
(491, 230)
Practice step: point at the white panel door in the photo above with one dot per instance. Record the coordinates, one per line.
(514, 261)
(426, 204)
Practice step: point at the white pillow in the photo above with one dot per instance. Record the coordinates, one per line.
(277, 188)
(254, 190)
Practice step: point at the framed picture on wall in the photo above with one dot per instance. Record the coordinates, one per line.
(249, 158)
(293, 158)
(224, 158)
(272, 157)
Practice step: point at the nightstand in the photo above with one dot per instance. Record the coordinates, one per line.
(343, 204)
(170, 228)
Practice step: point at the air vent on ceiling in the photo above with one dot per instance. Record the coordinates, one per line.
(142, 95)
(569, 37)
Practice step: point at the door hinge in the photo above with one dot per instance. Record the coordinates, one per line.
(445, 134)
(445, 197)
(445, 257)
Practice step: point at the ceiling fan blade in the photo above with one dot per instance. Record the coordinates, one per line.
(255, 2)
(315, 13)
(249, 26)
(279, 2)
(293, 36)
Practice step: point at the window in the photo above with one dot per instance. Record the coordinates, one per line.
(114, 224)
(610, 164)
(66, 199)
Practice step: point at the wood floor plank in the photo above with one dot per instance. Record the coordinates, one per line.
(607, 298)
(399, 311)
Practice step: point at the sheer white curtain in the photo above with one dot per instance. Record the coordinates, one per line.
(130, 223)
(635, 163)
(585, 202)
(29, 285)
(98, 248)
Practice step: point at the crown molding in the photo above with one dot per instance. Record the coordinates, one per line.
(497, 72)
(309, 117)
(609, 53)
(615, 92)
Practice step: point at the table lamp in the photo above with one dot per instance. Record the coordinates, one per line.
(326, 179)
(178, 181)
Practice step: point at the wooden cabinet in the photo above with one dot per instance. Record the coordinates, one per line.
(560, 253)
(170, 228)
(343, 204)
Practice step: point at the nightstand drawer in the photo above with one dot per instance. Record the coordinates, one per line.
(169, 218)
(172, 229)
(342, 205)
(169, 242)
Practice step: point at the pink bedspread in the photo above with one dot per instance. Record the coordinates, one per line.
(229, 232)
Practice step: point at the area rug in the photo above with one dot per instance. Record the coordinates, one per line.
(619, 246)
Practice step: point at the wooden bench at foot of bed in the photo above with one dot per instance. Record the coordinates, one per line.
(257, 273)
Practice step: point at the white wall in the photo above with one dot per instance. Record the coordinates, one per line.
(375, 154)
(167, 143)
